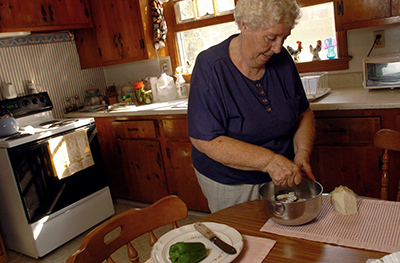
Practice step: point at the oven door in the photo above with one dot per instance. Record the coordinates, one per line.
(42, 193)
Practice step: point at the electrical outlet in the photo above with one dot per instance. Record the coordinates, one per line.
(165, 65)
(380, 43)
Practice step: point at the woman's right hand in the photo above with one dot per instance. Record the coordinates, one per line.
(284, 172)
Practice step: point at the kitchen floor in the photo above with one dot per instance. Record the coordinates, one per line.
(141, 243)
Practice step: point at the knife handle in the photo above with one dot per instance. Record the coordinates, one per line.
(224, 246)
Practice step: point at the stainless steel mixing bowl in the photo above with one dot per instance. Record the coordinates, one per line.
(292, 213)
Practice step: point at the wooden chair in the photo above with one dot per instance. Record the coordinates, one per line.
(388, 140)
(132, 223)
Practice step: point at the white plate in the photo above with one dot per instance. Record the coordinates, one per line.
(391, 258)
(320, 92)
(187, 233)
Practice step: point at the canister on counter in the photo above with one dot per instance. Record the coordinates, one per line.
(142, 95)
(128, 93)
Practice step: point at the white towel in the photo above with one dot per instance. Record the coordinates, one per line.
(70, 153)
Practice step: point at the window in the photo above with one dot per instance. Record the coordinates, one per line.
(321, 20)
(197, 27)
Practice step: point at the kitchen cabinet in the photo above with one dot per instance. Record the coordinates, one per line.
(352, 14)
(395, 7)
(148, 157)
(344, 152)
(182, 180)
(3, 255)
(44, 15)
(122, 32)
(119, 30)
(141, 159)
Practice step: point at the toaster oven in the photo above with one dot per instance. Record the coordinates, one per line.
(381, 72)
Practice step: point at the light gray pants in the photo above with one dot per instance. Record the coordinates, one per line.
(220, 196)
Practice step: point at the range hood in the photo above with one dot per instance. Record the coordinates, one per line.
(14, 34)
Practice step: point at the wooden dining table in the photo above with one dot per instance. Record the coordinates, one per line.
(248, 218)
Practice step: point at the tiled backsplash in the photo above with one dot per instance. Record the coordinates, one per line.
(50, 61)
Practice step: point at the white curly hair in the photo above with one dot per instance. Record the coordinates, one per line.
(256, 13)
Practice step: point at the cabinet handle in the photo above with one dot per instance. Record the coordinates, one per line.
(340, 8)
(341, 130)
(133, 129)
(51, 14)
(44, 14)
(115, 41)
(168, 153)
(159, 160)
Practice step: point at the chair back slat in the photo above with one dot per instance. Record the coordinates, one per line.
(95, 247)
(388, 140)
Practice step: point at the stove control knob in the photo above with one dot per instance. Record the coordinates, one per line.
(25, 103)
(35, 101)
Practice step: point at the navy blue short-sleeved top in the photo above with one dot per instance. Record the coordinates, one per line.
(223, 101)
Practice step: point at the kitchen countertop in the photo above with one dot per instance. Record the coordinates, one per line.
(343, 98)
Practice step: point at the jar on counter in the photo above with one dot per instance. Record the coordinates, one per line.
(92, 98)
(128, 93)
(142, 95)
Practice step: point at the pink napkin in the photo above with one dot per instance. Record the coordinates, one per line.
(255, 249)
(374, 227)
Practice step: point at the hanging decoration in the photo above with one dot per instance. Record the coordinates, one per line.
(160, 26)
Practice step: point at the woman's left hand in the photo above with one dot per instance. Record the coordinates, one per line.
(302, 160)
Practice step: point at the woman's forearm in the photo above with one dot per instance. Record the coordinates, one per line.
(303, 139)
(234, 153)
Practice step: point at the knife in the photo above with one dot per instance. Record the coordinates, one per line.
(205, 231)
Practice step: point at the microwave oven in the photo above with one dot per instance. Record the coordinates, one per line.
(381, 72)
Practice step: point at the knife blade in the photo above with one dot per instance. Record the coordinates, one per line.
(205, 231)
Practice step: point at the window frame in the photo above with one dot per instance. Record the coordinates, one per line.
(340, 63)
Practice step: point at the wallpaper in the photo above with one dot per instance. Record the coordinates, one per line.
(52, 62)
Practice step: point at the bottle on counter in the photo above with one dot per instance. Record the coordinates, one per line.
(166, 87)
(180, 84)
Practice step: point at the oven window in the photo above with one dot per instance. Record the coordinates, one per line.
(41, 191)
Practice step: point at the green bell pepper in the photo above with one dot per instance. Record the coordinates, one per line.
(182, 252)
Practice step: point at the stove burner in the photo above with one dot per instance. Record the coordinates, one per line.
(18, 135)
(56, 123)
(48, 122)
(14, 134)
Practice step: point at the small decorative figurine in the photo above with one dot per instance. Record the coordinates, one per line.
(315, 51)
(295, 52)
(330, 44)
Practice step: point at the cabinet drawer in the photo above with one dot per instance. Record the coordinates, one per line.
(134, 129)
(346, 131)
(175, 128)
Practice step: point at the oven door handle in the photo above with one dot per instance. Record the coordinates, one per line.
(91, 137)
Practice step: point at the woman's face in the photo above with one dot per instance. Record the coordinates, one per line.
(262, 43)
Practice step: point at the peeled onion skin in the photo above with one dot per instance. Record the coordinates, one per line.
(344, 200)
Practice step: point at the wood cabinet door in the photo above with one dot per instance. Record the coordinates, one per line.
(357, 167)
(182, 180)
(395, 7)
(351, 11)
(143, 169)
(119, 30)
(37, 13)
(3, 255)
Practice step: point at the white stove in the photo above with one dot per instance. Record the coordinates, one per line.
(35, 118)
(38, 211)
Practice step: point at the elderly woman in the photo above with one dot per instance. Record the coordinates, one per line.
(249, 119)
